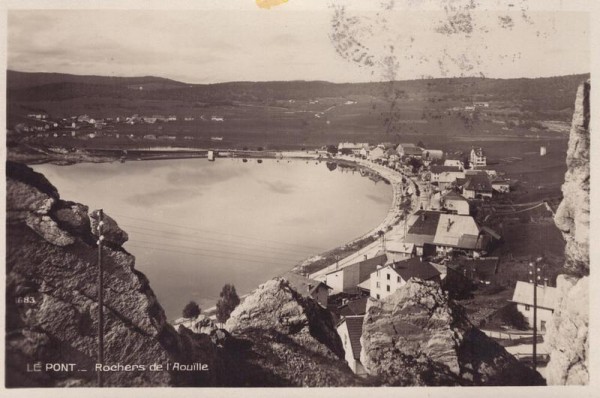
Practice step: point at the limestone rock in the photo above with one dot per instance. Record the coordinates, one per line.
(47, 228)
(73, 217)
(52, 307)
(573, 214)
(111, 231)
(283, 338)
(417, 337)
(568, 333)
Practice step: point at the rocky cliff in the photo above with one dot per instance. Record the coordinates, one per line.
(51, 305)
(291, 340)
(567, 335)
(418, 337)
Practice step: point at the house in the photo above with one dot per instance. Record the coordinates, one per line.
(409, 150)
(477, 158)
(455, 203)
(546, 300)
(454, 163)
(217, 119)
(500, 185)
(353, 147)
(457, 232)
(437, 171)
(350, 330)
(399, 250)
(377, 153)
(386, 280)
(422, 230)
(347, 278)
(364, 152)
(477, 186)
(353, 307)
(481, 104)
(319, 291)
(150, 120)
(432, 154)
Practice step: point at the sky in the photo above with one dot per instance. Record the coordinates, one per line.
(332, 40)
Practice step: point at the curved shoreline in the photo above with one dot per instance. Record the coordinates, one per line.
(391, 221)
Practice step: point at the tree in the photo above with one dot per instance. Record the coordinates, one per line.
(420, 144)
(227, 303)
(332, 149)
(191, 310)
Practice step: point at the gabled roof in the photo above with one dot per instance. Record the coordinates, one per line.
(546, 295)
(303, 285)
(415, 268)
(457, 231)
(426, 222)
(478, 182)
(354, 307)
(354, 325)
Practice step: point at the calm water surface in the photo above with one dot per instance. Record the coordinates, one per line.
(195, 225)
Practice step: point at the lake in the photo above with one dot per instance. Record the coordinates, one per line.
(196, 225)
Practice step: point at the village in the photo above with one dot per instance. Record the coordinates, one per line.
(442, 231)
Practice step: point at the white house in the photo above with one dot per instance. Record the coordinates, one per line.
(437, 171)
(398, 250)
(432, 154)
(350, 330)
(456, 203)
(454, 163)
(458, 232)
(386, 280)
(409, 150)
(477, 158)
(478, 186)
(377, 153)
(546, 300)
(500, 185)
(347, 279)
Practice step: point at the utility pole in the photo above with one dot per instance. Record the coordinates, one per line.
(100, 297)
(536, 277)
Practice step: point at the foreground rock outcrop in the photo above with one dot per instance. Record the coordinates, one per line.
(51, 299)
(290, 340)
(418, 337)
(567, 335)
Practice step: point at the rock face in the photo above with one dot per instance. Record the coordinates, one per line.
(567, 335)
(286, 339)
(52, 310)
(573, 214)
(418, 337)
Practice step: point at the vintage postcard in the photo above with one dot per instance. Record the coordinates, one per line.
(291, 193)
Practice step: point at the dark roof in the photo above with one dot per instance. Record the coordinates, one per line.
(302, 284)
(478, 182)
(442, 169)
(355, 325)
(454, 196)
(412, 151)
(481, 269)
(415, 268)
(426, 223)
(355, 307)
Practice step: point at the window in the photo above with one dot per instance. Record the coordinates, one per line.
(398, 279)
(543, 326)
(388, 277)
(377, 285)
(388, 288)
(378, 297)
(527, 308)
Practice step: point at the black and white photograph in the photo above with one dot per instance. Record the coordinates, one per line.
(297, 193)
